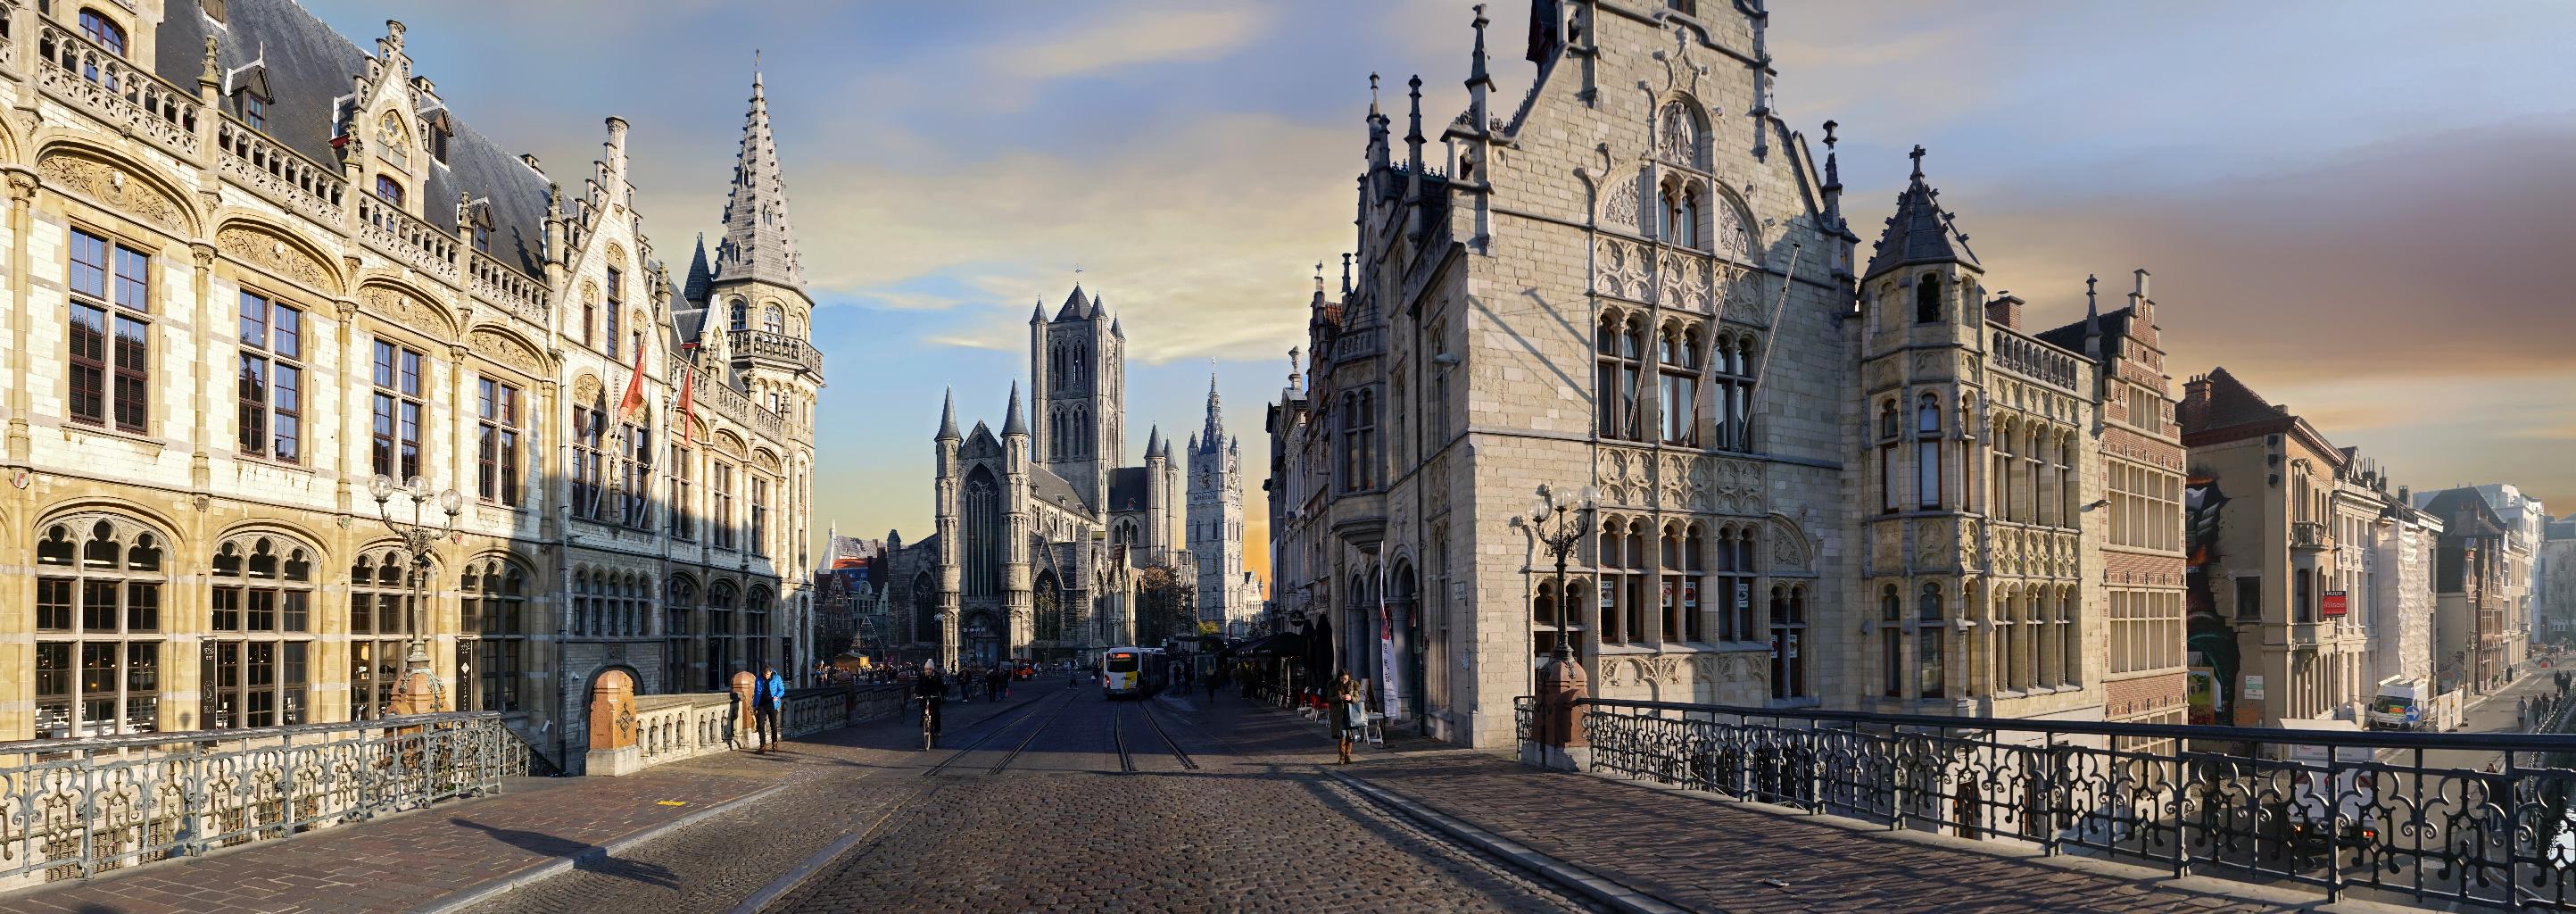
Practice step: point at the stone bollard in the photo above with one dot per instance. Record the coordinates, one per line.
(1557, 724)
(612, 727)
(743, 684)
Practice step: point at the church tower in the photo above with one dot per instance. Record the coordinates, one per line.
(1216, 515)
(1078, 380)
(757, 286)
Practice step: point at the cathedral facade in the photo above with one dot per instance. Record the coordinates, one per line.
(1042, 530)
(291, 270)
(1821, 483)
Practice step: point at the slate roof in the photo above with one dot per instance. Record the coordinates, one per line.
(2071, 336)
(309, 68)
(1046, 486)
(759, 241)
(1130, 489)
(1919, 232)
(2229, 404)
(1075, 308)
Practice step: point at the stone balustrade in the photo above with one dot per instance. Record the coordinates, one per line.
(714, 394)
(96, 79)
(778, 347)
(406, 238)
(499, 284)
(631, 733)
(253, 160)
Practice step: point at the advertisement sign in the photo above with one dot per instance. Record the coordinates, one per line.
(2334, 605)
(2253, 688)
(2201, 695)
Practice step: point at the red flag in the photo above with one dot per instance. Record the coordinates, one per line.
(688, 398)
(634, 399)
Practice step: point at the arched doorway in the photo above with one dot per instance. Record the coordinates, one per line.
(981, 639)
(1412, 649)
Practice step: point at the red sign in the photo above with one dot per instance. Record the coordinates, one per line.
(2334, 605)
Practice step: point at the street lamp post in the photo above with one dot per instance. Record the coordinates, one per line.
(419, 692)
(1559, 527)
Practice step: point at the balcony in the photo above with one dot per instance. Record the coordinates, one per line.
(280, 174)
(402, 236)
(2310, 536)
(764, 346)
(2309, 634)
(96, 79)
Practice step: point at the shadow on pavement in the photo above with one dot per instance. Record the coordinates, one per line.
(550, 846)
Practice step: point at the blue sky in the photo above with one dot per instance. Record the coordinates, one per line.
(2353, 206)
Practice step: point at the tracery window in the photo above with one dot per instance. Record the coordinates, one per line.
(1619, 344)
(677, 646)
(491, 651)
(380, 614)
(773, 320)
(1735, 583)
(720, 633)
(253, 669)
(99, 641)
(740, 318)
(1731, 370)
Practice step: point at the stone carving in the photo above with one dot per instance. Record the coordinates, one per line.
(1618, 270)
(403, 308)
(111, 184)
(1886, 547)
(1738, 485)
(1684, 482)
(1929, 365)
(1878, 374)
(1971, 547)
(1931, 546)
(270, 252)
(506, 352)
(1619, 209)
(730, 443)
(1623, 475)
(1734, 241)
(1789, 546)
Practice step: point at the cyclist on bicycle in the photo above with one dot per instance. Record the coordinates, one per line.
(931, 689)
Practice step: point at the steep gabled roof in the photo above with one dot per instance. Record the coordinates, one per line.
(759, 241)
(1075, 308)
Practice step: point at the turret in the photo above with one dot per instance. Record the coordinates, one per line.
(1378, 151)
(2092, 322)
(1038, 443)
(1929, 259)
(1413, 159)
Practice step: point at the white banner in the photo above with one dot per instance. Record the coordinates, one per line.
(1386, 647)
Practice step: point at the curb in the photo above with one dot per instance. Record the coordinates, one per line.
(485, 892)
(1565, 874)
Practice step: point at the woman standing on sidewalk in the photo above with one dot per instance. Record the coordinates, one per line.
(1350, 711)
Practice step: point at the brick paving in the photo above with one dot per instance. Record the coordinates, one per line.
(401, 862)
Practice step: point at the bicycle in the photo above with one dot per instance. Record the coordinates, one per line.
(929, 725)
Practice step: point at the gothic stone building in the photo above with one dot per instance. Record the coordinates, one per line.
(1228, 595)
(252, 267)
(1041, 528)
(1822, 483)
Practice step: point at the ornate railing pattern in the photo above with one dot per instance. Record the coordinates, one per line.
(2034, 359)
(404, 237)
(93, 78)
(714, 393)
(501, 285)
(828, 707)
(314, 189)
(762, 344)
(2368, 813)
(79, 807)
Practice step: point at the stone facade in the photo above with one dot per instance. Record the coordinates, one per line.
(1229, 595)
(287, 269)
(1640, 281)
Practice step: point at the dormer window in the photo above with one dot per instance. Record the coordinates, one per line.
(254, 110)
(389, 189)
(441, 132)
(102, 31)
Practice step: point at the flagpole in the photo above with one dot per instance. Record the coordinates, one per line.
(1762, 360)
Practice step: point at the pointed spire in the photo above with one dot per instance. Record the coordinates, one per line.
(1012, 423)
(1920, 232)
(948, 416)
(1075, 306)
(2092, 320)
(1037, 312)
(1476, 74)
(696, 289)
(1153, 441)
(1833, 188)
(1215, 432)
(1115, 330)
(1099, 308)
(759, 242)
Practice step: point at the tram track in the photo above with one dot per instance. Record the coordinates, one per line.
(1042, 726)
(1177, 752)
(1118, 739)
(1005, 726)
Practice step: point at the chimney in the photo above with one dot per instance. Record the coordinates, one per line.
(2197, 388)
(2005, 310)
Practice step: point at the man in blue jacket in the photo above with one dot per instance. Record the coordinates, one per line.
(766, 696)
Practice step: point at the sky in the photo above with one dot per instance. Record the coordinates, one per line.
(2362, 209)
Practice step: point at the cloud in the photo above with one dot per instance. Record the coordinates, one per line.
(1135, 36)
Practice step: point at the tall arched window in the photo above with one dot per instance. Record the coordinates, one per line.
(492, 622)
(757, 652)
(773, 320)
(720, 632)
(1927, 299)
(677, 647)
(981, 526)
(380, 615)
(740, 316)
(1891, 477)
(1927, 451)
(98, 628)
(1930, 637)
(1047, 605)
(1619, 344)
(253, 664)
(925, 609)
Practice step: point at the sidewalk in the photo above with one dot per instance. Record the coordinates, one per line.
(1695, 852)
(404, 861)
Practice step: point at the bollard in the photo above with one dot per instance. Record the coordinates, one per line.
(1558, 721)
(743, 683)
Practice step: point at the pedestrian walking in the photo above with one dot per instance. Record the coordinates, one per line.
(2521, 713)
(1350, 711)
(766, 695)
(1212, 677)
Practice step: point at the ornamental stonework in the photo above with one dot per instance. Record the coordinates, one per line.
(112, 185)
(504, 351)
(271, 253)
(400, 307)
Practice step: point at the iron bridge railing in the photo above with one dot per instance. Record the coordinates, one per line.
(80, 807)
(2403, 817)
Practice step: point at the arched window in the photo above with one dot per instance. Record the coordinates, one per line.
(773, 320)
(389, 189)
(1927, 451)
(757, 652)
(1891, 643)
(925, 609)
(102, 31)
(492, 622)
(259, 627)
(721, 598)
(741, 315)
(1891, 477)
(1927, 299)
(1047, 604)
(678, 648)
(380, 615)
(982, 528)
(1929, 639)
(98, 628)
(1619, 344)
